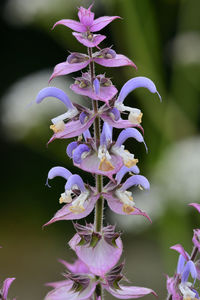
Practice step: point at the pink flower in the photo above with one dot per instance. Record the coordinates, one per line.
(77, 61)
(87, 26)
(80, 284)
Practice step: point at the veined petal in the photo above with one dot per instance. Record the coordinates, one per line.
(74, 25)
(66, 214)
(195, 205)
(189, 269)
(127, 133)
(118, 61)
(91, 164)
(72, 129)
(181, 264)
(102, 22)
(85, 15)
(58, 171)
(116, 206)
(106, 135)
(65, 292)
(75, 180)
(6, 285)
(71, 147)
(125, 170)
(99, 259)
(79, 151)
(130, 292)
(135, 83)
(179, 248)
(78, 267)
(54, 92)
(65, 68)
(136, 180)
(94, 42)
(105, 94)
(87, 135)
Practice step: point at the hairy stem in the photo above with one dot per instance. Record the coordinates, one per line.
(98, 220)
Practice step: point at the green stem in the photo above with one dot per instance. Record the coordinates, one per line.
(98, 219)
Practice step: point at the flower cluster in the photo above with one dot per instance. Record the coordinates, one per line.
(98, 248)
(179, 287)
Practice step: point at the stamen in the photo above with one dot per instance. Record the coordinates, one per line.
(128, 158)
(135, 118)
(126, 198)
(58, 127)
(104, 156)
(77, 205)
(66, 197)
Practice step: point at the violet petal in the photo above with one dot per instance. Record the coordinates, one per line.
(75, 180)
(70, 148)
(136, 180)
(78, 153)
(127, 133)
(125, 170)
(58, 171)
(54, 92)
(134, 83)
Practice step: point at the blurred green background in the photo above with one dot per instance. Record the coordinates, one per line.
(162, 37)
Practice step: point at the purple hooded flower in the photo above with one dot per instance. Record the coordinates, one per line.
(74, 126)
(87, 26)
(110, 157)
(79, 198)
(80, 284)
(120, 200)
(135, 115)
(178, 285)
(6, 285)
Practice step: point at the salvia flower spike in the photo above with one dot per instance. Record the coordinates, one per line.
(95, 150)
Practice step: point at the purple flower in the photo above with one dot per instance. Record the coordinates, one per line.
(120, 200)
(110, 156)
(178, 285)
(195, 205)
(81, 284)
(87, 26)
(74, 126)
(79, 198)
(5, 288)
(78, 61)
(94, 248)
(105, 92)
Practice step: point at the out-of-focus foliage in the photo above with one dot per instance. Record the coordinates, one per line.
(163, 38)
